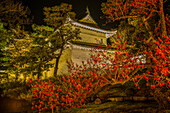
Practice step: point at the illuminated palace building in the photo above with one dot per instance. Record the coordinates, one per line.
(79, 50)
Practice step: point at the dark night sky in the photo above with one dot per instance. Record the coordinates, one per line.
(78, 6)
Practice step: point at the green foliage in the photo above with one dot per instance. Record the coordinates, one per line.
(56, 16)
(62, 34)
(13, 13)
(39, 54)
(46, 42)
(13, 89)
(4, 36)
(30, 53)
(4, 42)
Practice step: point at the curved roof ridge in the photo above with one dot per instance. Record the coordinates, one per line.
(88, 18)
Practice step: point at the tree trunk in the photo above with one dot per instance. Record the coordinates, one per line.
(148, 29)
(39, 71)
(25, 76)
(7, 77)
(16, 76)
(162, 17)
(57, 62)
(58, 58)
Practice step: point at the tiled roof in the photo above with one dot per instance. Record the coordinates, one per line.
(88, 19)
(79, 42)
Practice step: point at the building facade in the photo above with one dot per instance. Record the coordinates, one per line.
(79, 50)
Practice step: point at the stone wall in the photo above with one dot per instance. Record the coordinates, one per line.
(77, 56)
